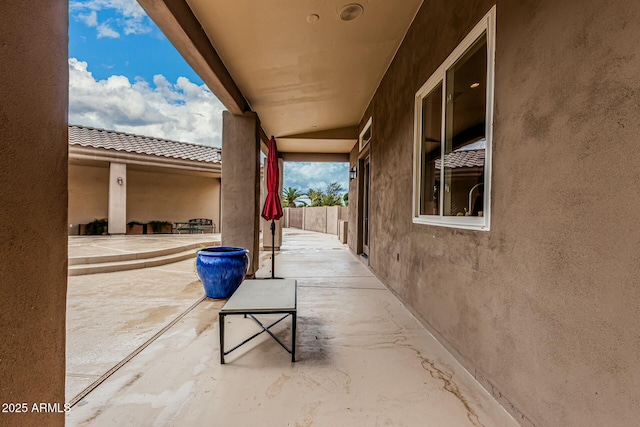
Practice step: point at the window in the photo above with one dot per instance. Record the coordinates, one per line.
(365, 135)
(453, 132)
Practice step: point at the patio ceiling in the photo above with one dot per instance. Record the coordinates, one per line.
(307, 73)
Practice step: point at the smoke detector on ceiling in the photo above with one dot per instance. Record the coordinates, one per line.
(351, 12)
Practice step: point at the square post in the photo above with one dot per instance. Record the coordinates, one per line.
(117, 198)
(240, 202)
(33, 208)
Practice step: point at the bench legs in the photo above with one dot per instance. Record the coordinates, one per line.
(293, 336)
(266, 329)
(221, 322)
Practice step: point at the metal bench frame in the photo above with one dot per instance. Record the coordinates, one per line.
(287, 307)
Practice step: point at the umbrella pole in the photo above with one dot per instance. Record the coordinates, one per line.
(273, 248)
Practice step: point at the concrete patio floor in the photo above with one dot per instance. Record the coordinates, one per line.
(362, 358)
(110, 315)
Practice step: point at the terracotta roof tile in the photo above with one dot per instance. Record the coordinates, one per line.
(119, 141)
(463, 159)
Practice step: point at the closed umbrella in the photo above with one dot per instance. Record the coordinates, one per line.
(272, 209)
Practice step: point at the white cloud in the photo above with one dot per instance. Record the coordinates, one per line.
(131, 18)
(306, 175)
(134, 27)
(182, 111)
(90, 19)
(104, 30)
(128, 8)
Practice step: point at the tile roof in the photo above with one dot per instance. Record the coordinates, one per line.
(85, 136)
(463, 159)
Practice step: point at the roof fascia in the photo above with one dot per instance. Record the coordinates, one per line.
(101, 154)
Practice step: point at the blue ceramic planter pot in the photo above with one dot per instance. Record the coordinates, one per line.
(222, 269)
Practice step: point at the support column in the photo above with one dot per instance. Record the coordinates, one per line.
(33, 208)
(117, 198)
(266, 225)
(240, 199)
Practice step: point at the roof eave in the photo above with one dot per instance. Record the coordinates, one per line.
(101, 154)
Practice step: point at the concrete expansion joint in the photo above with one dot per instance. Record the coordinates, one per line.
(133, 354)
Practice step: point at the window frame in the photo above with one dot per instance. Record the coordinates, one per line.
(486, 25)
(368, 127)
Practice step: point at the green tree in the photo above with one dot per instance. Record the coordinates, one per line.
(345, 198)
(290, 196)
(315, 195)
(333, 195)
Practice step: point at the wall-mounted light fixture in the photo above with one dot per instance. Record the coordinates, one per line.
(353, 173)
(119, 180)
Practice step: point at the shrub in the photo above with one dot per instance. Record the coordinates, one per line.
(158, 226)
(97, 227)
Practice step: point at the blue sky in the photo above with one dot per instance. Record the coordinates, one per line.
(126, 76)
(122, 40)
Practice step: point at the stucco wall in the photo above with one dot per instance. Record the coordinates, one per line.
(332, 219)
(88, 194)
(33, 207)
(321, 219)
(543, 308)
(343, 212)
(153, 196)
(315, 219)
(241, 184)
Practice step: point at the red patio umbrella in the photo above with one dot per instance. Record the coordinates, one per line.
(272, 209)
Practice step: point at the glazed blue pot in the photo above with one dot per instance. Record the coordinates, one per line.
(222, 269)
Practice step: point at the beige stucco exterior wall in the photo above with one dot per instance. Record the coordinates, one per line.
(542, 309)
(153, 196)
(33, 207)
(343, 212)
(88, 194)
(321, 219)
(332, 220)
(315, 219)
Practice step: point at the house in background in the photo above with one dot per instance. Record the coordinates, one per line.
(126, 177)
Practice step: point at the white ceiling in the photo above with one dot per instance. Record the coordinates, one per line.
(306, 78)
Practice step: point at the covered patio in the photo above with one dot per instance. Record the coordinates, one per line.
(537, 296)
(363, 359)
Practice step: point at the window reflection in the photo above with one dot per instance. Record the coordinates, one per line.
(453, 135)
(431, 151)
(465, 133)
